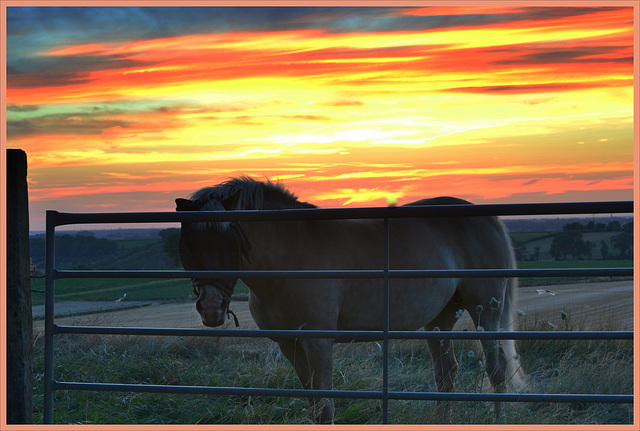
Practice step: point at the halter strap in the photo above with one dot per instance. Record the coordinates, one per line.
(224, 291)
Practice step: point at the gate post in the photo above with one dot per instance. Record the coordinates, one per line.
(19, 317)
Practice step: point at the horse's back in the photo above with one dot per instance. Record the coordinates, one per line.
(440, 200)
(476, 241)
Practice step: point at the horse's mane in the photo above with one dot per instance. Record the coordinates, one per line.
(246, 193)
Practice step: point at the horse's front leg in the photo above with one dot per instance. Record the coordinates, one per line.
(445, 366)
(319, 352)
(313, 361)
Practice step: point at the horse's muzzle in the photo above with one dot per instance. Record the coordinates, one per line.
(211, 306)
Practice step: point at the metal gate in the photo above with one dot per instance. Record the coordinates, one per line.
(55, 219)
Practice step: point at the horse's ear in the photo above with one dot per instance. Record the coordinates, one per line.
(230, 203)
(185, 205)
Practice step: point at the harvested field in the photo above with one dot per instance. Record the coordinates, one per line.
(586, 303)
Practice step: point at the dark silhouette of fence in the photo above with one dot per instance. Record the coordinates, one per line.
(19, 319)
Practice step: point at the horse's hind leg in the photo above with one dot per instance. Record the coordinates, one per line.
(313, 363)
(495, 366)
(486, 312)
(445, 366)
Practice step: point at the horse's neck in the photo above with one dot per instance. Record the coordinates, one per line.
(267, 240)
(284, 245)
(309, 245)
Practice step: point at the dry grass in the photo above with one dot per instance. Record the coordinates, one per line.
(590, 367)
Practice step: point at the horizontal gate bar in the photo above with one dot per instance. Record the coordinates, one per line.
(423, 396)
(350, 335)
(393, 273)
(59, 218)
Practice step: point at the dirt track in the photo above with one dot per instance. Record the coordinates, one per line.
(591, 303)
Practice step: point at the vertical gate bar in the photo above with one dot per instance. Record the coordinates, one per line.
(385, 336)
(48, 319)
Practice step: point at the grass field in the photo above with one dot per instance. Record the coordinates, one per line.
(87, 289)
(552, 367)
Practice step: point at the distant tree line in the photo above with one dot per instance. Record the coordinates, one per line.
(170, 244)
(85, 251)
(570, 242)
(74, 250)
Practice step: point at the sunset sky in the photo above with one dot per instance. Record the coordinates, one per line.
(126, 108)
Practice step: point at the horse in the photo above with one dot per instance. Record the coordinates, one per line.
(353, 304)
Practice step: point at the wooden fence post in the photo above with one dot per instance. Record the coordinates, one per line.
(19, 317)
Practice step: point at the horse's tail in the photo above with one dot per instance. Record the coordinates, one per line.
(516, 377)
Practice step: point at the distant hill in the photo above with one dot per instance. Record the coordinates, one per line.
(107, 249)
(148, 233)
(556, 224)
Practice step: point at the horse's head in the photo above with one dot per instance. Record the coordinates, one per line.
(209, 247)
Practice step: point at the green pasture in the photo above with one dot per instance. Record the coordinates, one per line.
(111, 289)
(87, 289)
(560, 264)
